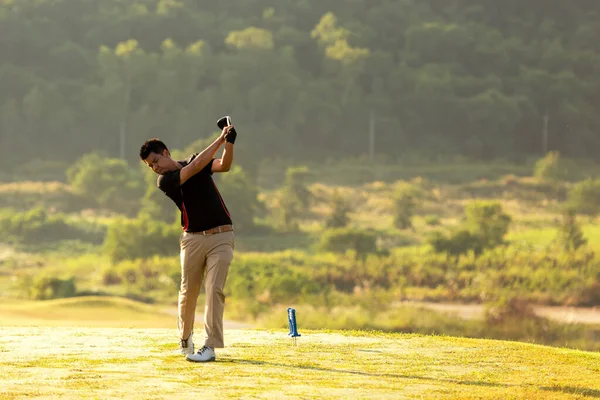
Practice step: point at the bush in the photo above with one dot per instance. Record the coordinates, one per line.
(484, 228)
(155, 205)
(268, 281)
(509, 308)
(570, 235)
(144, 275)
(110, 181)
(487, 221)
(38, 226)
(140, 238)
(550, 168)
(58, 196)
(584, 198)
(432, 220)
(339, 212)
(294, 198)
(241, 197)
(406, 198)
(342, 239)
(296, 183)
(457, 243)
(590, 295)
(48, 288)
(513, 318)
(546, 277)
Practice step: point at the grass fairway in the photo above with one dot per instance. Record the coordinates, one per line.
(89, 311)
(117, 363)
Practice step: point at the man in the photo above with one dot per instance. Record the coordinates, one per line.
(207, 241)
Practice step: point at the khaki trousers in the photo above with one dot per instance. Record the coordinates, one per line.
(204, 259)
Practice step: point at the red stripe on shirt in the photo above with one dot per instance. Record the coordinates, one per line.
(186, 222)
(220, 198)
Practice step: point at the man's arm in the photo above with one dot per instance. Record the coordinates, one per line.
(203, 158)
(224, 163)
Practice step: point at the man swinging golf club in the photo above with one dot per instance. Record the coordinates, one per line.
(207, 241)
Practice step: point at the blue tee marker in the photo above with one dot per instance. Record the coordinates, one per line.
(292, 324)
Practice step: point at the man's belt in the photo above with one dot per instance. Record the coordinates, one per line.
(216, 229)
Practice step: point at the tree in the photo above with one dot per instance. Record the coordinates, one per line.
(296, 182)
(484, 228)
(468, 78)
(294, 197)
(251, 37)
(550, 167)
(338, 218)
(155, 205)
(119, 67)
(241, 197)
(406, 198)
(50, 287)
(584, 197)
(109, 181)
(339, 240)
(488, 221)
(570, 235)
(457, 243)
(334, 40)
(130, 239)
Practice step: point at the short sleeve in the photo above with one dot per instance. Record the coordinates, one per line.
(208, 168)
(169, 182)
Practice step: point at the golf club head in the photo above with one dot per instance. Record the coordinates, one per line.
(224, 121)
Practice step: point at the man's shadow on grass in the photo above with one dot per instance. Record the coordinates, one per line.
(595, 393)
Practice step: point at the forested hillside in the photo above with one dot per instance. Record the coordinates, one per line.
(480, 78)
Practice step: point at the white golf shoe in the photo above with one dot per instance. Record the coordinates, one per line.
(186, 347)
(203, 355)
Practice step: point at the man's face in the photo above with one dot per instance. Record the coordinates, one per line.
(160, 163)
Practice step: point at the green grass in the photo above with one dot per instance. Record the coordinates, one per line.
(109, 348)
(542, 237)
(538, 238)
(359, 170)
(106, 363)
(85, 312)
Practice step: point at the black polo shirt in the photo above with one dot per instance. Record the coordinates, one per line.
(198, 199)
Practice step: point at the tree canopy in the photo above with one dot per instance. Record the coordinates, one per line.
(480, 78)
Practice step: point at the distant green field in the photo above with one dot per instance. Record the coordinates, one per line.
(541, 237)
(85, 311)
(360, 171)
(533, 237)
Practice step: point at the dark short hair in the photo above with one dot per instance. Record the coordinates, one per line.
(152, 146)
